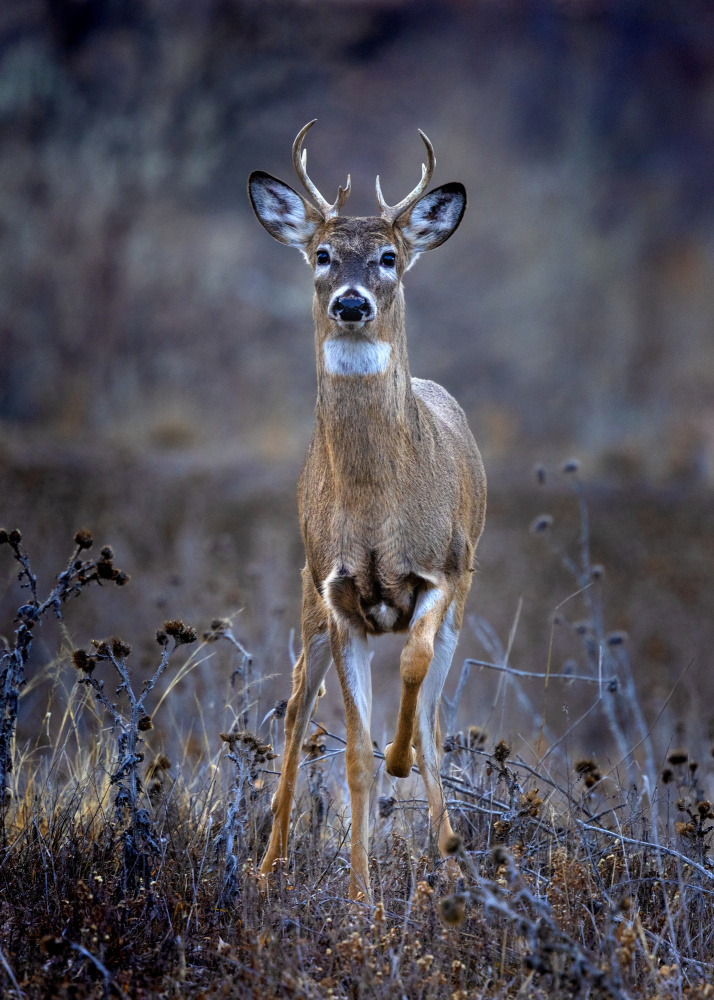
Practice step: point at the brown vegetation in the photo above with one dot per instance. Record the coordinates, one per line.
(123, 872)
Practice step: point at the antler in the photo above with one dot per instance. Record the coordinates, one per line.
(300, 161)
(392, 212)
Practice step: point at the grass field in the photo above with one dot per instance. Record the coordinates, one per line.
(126, 871)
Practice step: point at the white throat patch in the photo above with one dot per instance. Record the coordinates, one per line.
(355, 357)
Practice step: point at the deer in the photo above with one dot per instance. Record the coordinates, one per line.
(391, 497)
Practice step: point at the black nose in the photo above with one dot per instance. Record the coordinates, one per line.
(352, 308)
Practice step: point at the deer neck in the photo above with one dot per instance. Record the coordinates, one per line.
(366, 411)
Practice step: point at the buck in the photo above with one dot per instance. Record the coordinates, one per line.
(392, 494)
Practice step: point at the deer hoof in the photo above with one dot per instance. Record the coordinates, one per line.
(399, 766)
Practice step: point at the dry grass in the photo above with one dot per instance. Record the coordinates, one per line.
(125, 873)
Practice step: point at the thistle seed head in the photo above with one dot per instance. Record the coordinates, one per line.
(452, 909)
(500, 856)
(84, 539)
(454, 845)
(387, 805)
(181, 633)
(83, 661)
(120, 649)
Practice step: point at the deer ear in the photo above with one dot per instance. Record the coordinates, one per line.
(283, 212)
(434, 217)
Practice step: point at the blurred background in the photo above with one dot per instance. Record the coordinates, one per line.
(156, 355)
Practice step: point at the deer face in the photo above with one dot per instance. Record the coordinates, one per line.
(358, 264)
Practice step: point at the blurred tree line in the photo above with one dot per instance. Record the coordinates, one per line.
(141, 305)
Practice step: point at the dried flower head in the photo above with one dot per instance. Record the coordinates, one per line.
(387, 805)
(452, 909)
(4, 537)
(454, 845)
(161, 637)
(84, 539)
(239, 739)
(120, 649)
(500, 856)
(181, 633)
(280, 708)
(218, 628)
(315, 745)
(477, 736)
(501, 829)
(15, 537)
(158, 765)
(530, 803)
(121, 578)
(502, 751)
(685, 830)
(590, 772)
(83, 661)
(106, 571)
(617, 638)
(144, 723)
(678, 757)
(103, 650)
(667, 775)
(107, 552)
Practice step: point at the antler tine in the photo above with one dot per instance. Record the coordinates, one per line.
(327, 210)
(392, 212)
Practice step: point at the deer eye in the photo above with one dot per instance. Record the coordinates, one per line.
(388, 259)
(323, 257)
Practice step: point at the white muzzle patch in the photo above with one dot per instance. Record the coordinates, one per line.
(345, 356)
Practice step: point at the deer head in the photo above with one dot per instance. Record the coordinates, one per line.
(358, 263)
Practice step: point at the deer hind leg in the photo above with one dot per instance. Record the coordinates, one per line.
(349, 651)
(308, 675)
(414, 667)
(426, 725)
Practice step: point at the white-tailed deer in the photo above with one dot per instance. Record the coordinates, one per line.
(392, 495)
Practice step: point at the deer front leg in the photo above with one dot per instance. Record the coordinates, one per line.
(308, 675)
(413, 667)
(426, 726)
(349, 651)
